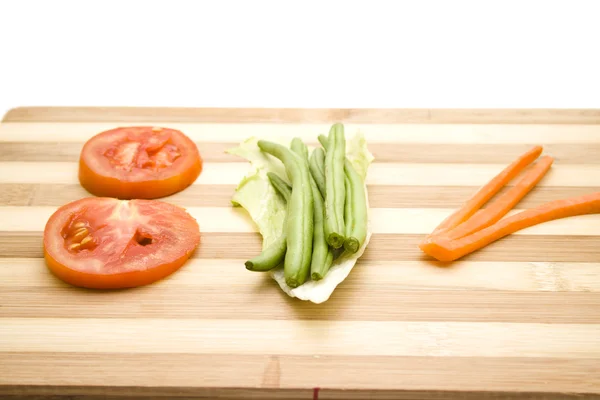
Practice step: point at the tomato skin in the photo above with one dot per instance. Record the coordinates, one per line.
(104, 186)
(116, 281)
(116, 258)
(99, 178)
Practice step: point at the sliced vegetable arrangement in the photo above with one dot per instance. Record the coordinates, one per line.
(311, 208)
(471, 228)
(106, 243)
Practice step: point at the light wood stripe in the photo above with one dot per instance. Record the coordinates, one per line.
(380, 196)
(17, 273)
(33, 393)
(380, 377)
(354, 338)
(570, 175)
(295, 115)
(583, 153)
(467, 292)
(382, 221)
(382, 247)
(423, 134)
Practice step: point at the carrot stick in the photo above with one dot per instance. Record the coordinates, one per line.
(504, 203)
(488, 191)
(447, 250)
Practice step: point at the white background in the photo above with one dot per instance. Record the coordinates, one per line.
(300, 54)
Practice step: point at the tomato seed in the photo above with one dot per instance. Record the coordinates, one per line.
(80, 234)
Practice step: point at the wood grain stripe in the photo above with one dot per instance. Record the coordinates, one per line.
(467, 292)
(380, 196)
(235, 133)
(353, 338)
(377, 375)
(19, 273)
(584, 153)
(569, 175)
(382, 221)
(266, 301)
(382, 247)
(295, 115)
(267, 393)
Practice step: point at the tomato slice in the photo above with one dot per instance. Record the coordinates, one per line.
(138, 163)
(106, 243)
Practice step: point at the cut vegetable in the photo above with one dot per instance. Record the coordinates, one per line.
(505, 203)
(488, 191)
(447, 250)
(138, 162)
(335, 191)
(356, 209)
(105, 243)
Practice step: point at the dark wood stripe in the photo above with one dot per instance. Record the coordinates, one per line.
(383, 247)
(357, 299)
(373, 377)
(306, 115)
(380, 196)
(583, 153)
(59, 194)
(324, 394)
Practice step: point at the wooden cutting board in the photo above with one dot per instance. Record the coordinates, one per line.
(519, 317)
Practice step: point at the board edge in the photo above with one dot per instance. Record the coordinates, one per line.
(35, 114)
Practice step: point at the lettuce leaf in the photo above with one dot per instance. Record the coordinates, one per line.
(267, 210)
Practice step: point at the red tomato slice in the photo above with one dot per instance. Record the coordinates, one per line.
(138, 163)
(105, 243)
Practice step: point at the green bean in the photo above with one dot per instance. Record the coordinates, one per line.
(300, 214)
(273, 255)
(357, 233)
(322, 257)
(317, 168)
(270, 257)
(324, 142)
(355, 208)
(350, 242)
(280, 185)
(335, 191)
(299, 148)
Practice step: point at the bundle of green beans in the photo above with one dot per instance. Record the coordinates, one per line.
(326, 208)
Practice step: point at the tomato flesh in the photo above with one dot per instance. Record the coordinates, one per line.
(109, 243)
(139, 162)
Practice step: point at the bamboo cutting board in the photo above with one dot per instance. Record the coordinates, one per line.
(518, 318)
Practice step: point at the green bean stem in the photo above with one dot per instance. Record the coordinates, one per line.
(317, 168)
(335, 191)
(324, 142)
(357, 233)
(280, 185)
(299, 148)
(299, 217)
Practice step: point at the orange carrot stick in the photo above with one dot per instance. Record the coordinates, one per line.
(488, 190)
(447, 250)
(504, 204)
